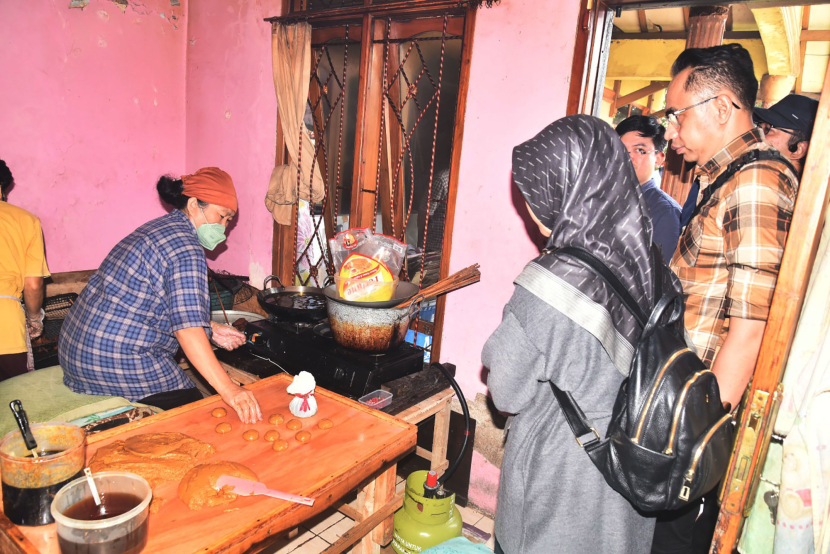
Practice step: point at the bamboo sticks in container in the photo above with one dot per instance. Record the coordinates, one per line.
(457, 280)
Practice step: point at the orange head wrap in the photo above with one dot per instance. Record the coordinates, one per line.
(211, 184)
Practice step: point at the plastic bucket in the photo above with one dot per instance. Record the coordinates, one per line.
(125, 533)
(29, 483)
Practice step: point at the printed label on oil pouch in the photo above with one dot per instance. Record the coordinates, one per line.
(364, 278)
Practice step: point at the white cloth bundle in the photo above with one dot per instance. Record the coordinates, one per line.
(304, 403)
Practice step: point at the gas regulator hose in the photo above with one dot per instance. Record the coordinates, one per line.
(451, 469)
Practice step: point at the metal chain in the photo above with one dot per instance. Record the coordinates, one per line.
(320, 128)
(432, 162)
(299, 255)
(337, 185)
(380, 141)
(297, 202)
(431, 169)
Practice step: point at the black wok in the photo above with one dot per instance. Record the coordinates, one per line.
(306, 304)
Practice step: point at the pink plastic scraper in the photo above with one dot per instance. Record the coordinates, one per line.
(244, 487)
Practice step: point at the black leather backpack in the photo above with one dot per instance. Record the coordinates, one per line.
(670, 438)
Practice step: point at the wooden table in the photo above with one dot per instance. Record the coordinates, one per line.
(361, 451)
(416, 397)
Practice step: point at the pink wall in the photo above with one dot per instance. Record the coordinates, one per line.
(518, 84)
(92, 113)
(231, 118)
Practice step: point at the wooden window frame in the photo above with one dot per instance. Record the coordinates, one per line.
(367, 131)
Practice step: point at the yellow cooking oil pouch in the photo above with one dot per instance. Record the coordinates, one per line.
(364, 279)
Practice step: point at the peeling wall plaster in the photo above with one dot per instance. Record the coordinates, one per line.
(144, 7)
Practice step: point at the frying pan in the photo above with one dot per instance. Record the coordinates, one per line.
(295, 303)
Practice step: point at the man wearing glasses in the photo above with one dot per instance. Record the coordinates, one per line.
(644, 139)
(730, 250)
(788, 125)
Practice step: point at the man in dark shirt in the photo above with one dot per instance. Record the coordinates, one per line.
(644, 139)
(788, 125)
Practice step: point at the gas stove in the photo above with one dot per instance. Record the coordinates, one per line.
(296, 347)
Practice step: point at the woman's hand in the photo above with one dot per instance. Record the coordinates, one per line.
(243, 402)
(194, 342)
(34, 325)
(225, 336)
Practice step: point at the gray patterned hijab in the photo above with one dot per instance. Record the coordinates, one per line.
(577, 178)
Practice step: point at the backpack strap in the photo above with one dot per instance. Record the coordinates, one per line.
(591, 262)
(748, 158)
(583, 429)
(586, 435)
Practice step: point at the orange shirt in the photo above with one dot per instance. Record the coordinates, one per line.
(21, 255)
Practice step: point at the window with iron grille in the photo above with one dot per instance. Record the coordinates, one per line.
(385, 112)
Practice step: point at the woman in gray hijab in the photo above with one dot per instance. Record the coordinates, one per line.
(564, 325)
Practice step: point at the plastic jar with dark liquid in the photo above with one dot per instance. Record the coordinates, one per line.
(30, 484)
(118, 526)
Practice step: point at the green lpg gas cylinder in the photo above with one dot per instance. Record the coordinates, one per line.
(424, 522)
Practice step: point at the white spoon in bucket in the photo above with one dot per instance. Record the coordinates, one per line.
(91, 482)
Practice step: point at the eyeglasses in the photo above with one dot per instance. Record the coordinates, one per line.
(640, 152)
(767, 127)
(671, 113)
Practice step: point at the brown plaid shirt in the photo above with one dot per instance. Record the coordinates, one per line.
(729, 255)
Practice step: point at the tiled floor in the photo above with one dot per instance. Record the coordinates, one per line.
(319, 533)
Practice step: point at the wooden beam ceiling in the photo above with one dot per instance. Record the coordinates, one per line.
(657, 4)
(805, 24)
(780, 30)
(678, 35)
(806, 36)
(817, 36)
(642, 93)
(641, 19)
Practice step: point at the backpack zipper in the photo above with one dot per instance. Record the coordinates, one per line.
(679, 407)
(690, 475)
(644, 413)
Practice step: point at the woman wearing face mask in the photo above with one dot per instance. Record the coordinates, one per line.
(151, 296)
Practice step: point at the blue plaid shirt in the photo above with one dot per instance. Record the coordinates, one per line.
(118, 337)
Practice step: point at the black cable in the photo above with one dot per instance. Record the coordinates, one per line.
(451, 469)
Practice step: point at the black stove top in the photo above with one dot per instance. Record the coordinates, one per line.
(297, 347)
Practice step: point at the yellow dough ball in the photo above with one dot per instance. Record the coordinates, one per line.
(272, 435)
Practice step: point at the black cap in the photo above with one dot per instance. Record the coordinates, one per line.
(794, 112)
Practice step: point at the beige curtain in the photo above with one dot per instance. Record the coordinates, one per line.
(291, 59)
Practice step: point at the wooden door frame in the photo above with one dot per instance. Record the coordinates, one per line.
(592, 39)
(758, 419)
